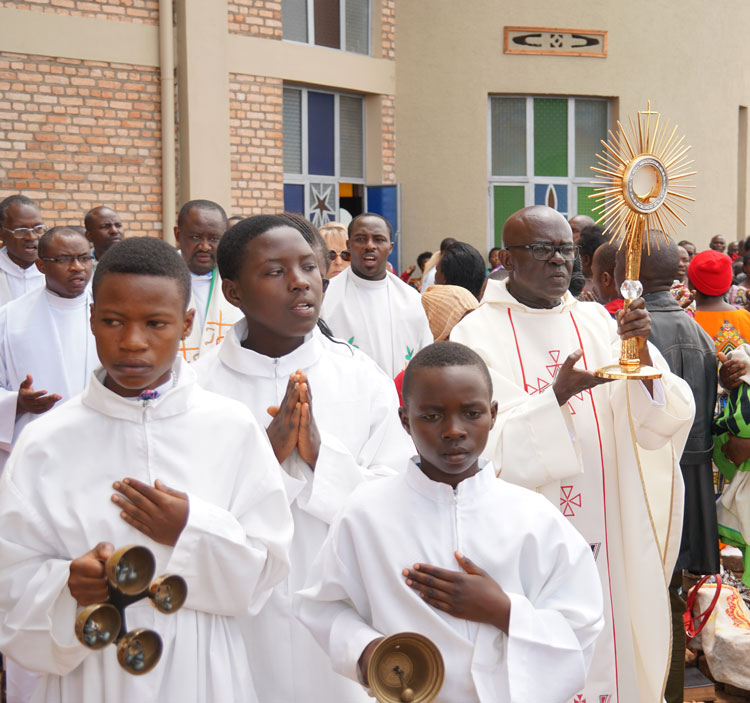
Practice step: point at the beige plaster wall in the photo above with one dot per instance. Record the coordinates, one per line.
(689, 58)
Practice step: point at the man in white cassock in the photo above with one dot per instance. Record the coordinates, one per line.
(345, 430)
(200, 226)
(143, 456)
(21, 225)
(607, 455)
(491, 573)
(47, 351)
(372, 309)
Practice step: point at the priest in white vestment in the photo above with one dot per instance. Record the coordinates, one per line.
(22, 225)
(46, 334)
(355, 412)
(372, 309)
(200, 226)
(607, 455)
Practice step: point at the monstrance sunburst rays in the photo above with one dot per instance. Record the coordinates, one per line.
(642, 177)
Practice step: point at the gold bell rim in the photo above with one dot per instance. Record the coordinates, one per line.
(627, 373)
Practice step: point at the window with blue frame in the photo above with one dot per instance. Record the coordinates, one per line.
(324, 163)
(541, 151)
(337, 24)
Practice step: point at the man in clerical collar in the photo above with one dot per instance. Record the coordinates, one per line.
(602, 452)
(200, 226)
(21, 225)
(371, 308)
(103, 229)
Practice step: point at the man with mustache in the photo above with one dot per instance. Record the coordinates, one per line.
(20, 228)
(200, 226)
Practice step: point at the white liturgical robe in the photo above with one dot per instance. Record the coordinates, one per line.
(14, 280)
(609, 459)
(355, 408)
(214, 315)
(55, 505)
(385, 319)
(50, 338)
(356, 591)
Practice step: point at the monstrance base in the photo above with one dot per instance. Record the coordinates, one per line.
(628, 373)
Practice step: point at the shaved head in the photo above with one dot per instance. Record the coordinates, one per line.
(522, 226)
(658, 265)
(578, 222)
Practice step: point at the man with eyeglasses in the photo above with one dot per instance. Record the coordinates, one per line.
(103, 229)
(20, 226)
(606, 453)
(200, 226)
(47, 353)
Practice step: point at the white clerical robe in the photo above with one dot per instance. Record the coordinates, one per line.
(55, 506)
(609, 459)
(211, 322)
(355, 408)
(385, 319)
(50, 338)
(356, 592)
(14, 280)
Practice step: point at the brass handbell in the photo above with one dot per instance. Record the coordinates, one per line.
(406, 668)
(130, 573)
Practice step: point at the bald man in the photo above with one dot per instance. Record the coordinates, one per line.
(103, 229)
(691, 354)
(577, 224)
(607, 454)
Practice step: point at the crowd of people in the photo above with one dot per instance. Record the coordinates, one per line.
(330, 453)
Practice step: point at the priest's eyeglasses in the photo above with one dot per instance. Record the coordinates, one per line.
(23, 232)
(68, 259)
(544, 252)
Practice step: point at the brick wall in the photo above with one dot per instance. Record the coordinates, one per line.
(388, 138)
(255, 17)
(145, 11)
(74, 134)
(256, 144)
(387, 28)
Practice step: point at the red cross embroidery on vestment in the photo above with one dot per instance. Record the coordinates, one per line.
(568, 501)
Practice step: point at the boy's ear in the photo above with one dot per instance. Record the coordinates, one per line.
(404, 417)
(187, 325)
(231, 293)
(493, 413)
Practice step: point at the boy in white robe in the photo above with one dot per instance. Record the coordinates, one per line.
(143, 456)
(334, 426)
(21, 225)
(200, 226)
(520, 628)
(371, 308)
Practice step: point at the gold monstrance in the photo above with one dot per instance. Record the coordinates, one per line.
(641, 177)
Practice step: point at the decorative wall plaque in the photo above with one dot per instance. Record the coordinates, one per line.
(554, 41)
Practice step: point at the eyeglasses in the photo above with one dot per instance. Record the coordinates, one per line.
(68, 259)
(345, 255)
(544, 252)
(23, 232)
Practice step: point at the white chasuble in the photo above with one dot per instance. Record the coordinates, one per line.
(356, 592)
(385, 319)
(609, 459)
(15, 280)
(355, 407)
(211, 322)
(55, 505)
(50, 338)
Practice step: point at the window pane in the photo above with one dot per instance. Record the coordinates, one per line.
(327, 27)
(591, 128)
(357, 18)
(550, 137)
(507, 200)
(294, 19)
(292, 131)
(508, 116)
(350, 136)
(320, 156)
(294, 198)
(586, 205)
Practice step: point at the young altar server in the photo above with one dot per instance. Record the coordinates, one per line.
(490, 572)
(47, 351)
(330, 415)
(143, 456)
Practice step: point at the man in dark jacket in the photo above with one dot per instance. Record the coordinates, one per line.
(691, 354)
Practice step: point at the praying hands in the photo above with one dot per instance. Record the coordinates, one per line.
(157, 511)
(293, 425)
